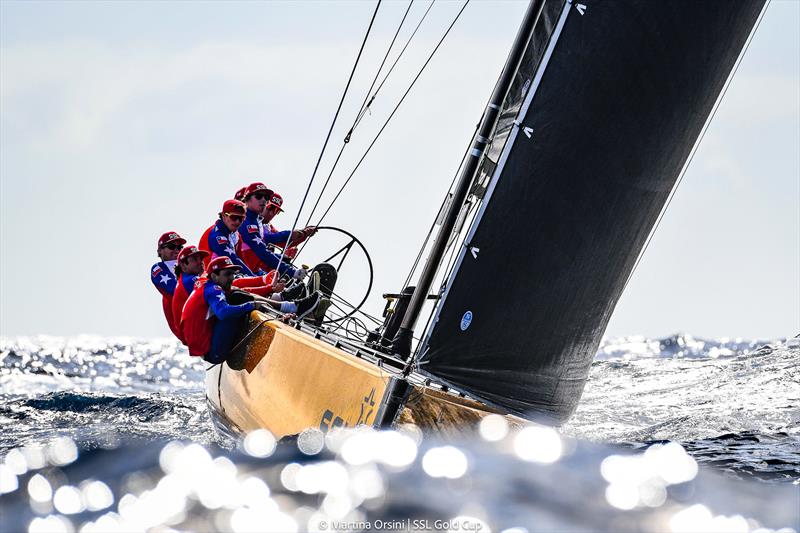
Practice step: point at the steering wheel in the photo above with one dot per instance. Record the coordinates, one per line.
(343, 242)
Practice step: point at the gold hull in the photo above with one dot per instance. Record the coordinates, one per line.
(285, 380)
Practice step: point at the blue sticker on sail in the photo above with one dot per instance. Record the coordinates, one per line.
(466, 320)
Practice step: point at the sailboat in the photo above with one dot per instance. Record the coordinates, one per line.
(587, 130)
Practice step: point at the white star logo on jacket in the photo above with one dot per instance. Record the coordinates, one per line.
(165, 279)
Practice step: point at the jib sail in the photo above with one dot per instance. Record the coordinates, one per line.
(608, 102)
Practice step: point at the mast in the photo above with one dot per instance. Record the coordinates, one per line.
(402, 341)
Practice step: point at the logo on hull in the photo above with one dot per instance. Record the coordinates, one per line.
(365, 417)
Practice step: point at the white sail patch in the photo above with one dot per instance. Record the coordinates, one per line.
(466, 320)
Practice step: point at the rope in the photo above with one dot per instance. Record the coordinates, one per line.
(697, 144)
(219, 387)
(427, 61)
(333, 123)
(342, 300)
(397, 59)
(441, 207)
(364, 105)
(250, 333)
(238, 344)
(448, 270)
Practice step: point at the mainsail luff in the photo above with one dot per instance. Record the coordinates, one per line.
(578, 186)
(402, 342)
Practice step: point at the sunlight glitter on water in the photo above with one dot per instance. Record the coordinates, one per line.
(674, 389)
(318, 493)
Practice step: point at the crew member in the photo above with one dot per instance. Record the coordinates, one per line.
(210, 324)
(255, 252)
(190, 266)
(162, 274)
(222, 238)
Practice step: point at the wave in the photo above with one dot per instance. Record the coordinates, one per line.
(685, 346)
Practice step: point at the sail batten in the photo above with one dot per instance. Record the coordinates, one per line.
(609, 101)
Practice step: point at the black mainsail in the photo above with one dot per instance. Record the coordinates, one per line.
(606, 105)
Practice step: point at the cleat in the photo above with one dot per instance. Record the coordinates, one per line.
(294, 292)
(307, 305)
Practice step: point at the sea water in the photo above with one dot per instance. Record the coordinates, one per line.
(681, 433)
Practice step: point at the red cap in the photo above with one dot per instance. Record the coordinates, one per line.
(240, 194)
(257, 187)
(222, 262)
(276, 200)
(190, 251)
(169, 237)
(233, 207)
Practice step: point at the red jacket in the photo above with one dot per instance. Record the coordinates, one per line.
(162, 274)
(197, 324)
(205, 305)
(166, 305)
(183, 288)
(203, 245)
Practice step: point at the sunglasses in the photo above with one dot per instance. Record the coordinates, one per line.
(235, 218)
(173, 246)
(260, 196)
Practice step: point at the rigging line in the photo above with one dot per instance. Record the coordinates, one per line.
(333, 123)
(367, 315)
(342, 300)
(457, 243)
(433, 224)
(250, 334)
(360, 114)
(358, 323)
(450, 266)
(397, 59)
(402, 99)
(365, 105)
(698, 143)
(444, 202)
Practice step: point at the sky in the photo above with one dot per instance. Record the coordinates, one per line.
(122, 120)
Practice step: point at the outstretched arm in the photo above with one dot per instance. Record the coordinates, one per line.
(259, 247)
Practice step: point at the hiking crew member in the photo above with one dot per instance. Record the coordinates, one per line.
(255, 252)
(187, 269)
(210, 323)
(162, 274)
(222, 238)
